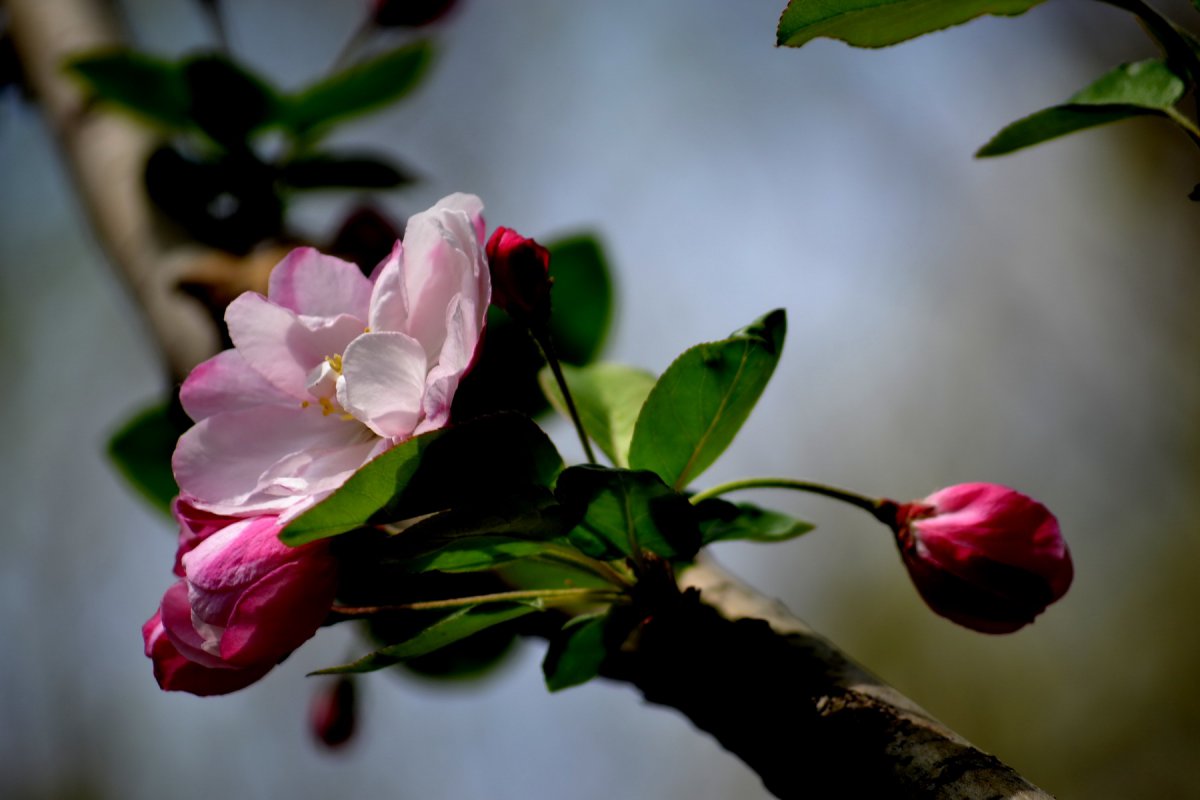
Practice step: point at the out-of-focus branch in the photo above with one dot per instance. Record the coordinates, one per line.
(811, 722)
(106, 154)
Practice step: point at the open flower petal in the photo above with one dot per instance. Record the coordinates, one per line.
(317, 285)
(226, 382)
(384, 382)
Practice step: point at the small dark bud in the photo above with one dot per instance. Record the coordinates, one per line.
(333, 712)
(520, 276)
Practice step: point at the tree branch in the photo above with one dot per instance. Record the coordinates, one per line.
(811, 722)
(106, 154)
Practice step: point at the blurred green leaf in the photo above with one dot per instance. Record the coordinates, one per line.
(878, 23)
(454, 627)
(723, 521)
(627, 510)
(581, 299)
(1131, 90)
(325, 170)
(475, 553)
(576, 653)
(609, 398)
(152, 88)
(227, 101)
(141, 450)
(701, 401)
(458, 467)
(358, 89)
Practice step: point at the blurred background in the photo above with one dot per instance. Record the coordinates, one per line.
(1029, 320)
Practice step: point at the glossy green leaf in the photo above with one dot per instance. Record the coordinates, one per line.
(327, 170)
(576, 652)
(454, 627)
(628, 511)
(459, 467)
(475, 553)
(878, 23)
(1131, 90)
(609, 398)
(152, 88)
(358, 89)
(581, 299)
(723, 521)
(141, 450)
(701, 401)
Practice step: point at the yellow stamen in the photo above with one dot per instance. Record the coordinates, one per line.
(305, 404)
(326, 406)
(335, 361)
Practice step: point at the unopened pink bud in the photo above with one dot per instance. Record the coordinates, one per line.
(334, 710)
(520, 275)
(984, 556)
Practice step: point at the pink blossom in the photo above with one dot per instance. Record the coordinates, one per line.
(520, 275)
(983, 555)
(331, 368)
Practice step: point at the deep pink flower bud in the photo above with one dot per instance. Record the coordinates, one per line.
(520, 275)
(408, 13)
(245, 602)
(334, 710)
(984, 556)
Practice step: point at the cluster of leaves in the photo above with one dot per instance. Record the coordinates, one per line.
(213, 175)
(492, 493)
(1152, 87)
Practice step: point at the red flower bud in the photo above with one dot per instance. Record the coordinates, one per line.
(520, 275)
(984, 556)
(408, 13)
(334, 710)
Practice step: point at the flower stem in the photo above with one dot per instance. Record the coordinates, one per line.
(873, 506)
(549, 596)
(542, 337)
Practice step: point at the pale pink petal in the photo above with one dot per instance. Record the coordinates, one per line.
(389, 299)
(384, 382)
(282, 346)
(458, 352)
(226, 382)
(317, 285)
(470, 206)
(221, 460)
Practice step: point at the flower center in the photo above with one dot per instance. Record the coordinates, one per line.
(322, 384)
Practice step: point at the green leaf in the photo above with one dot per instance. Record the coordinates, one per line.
(324, 170)
(465, 466)
(701, 401)
(152, 88)
(609, 398)
(576, 652)
(474, 554)
(723, 521)
(227, 101)
(454, 627)
(581, 299)
(359, 89)
(628, 510)
(878, 23)
(1131, 90)
(141, 450)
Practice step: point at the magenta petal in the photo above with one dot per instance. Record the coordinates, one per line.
(384, 382)
(181, 630)
(226, 382)
(282, 610)
(175, 673)
(314, 284)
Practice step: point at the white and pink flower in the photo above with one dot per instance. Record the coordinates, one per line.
(327, 371)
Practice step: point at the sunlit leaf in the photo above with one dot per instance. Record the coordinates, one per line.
(1144, 88)
(877, 23)
(609, 398)
(699, 404)
(454, 627)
